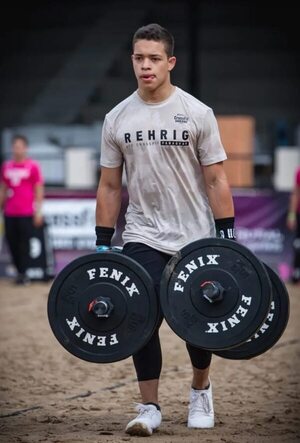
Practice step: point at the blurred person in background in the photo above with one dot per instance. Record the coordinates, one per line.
(21, 197)
(293, 223)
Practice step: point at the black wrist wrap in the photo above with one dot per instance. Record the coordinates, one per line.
(225, 228)
(104, 235)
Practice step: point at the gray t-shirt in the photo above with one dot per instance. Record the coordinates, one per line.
(162, 146)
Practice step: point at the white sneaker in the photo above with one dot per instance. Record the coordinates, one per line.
(148, 419)
(201, 409)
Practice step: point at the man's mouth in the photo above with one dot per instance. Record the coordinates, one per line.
(147, 77)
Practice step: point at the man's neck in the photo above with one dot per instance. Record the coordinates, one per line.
(157, 96)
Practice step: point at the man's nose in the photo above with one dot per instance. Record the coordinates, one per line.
(146, 64)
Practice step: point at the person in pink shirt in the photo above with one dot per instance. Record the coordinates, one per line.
(21, 197)
(293, 223)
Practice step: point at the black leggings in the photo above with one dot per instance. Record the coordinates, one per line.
(148, 361)
(18, 231)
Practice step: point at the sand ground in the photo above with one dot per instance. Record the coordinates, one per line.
(47, 395)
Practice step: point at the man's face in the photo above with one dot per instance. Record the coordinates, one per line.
(19, 149)
(151, 64)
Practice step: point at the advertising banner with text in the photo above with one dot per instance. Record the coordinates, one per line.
(260, 225)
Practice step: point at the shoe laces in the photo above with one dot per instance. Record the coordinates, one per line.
(200, 403)
(144, 410)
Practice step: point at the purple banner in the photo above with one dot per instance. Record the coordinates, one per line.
(261, 226)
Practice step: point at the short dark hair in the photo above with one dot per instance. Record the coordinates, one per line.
(158, 34)
(20, 137)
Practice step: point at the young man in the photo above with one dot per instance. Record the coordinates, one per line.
(178, 192)
(21, 195)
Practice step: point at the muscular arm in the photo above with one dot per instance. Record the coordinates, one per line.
(218, 191)
(109, 195)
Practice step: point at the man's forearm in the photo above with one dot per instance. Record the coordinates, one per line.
(108, 206)
(221, 203)
(220, 198)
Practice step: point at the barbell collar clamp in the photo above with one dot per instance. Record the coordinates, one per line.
(102, 307)
(212, 291)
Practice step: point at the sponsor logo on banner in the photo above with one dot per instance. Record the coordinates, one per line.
(71, 223)
(269, 240)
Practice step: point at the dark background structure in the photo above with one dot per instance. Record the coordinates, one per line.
(65, 62)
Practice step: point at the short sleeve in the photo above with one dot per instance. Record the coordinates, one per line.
(210, 148)
(111, 155)
(36, 174)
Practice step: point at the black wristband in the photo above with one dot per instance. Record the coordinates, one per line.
(104, 235)
(225, 228)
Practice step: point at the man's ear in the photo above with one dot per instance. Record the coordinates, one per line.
(171, 63)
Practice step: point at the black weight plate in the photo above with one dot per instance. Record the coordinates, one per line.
(131, 322)
(224, 324)
(273, 327)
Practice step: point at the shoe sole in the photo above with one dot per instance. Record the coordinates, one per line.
(212, 425)
(139, 429)
(201, 427)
